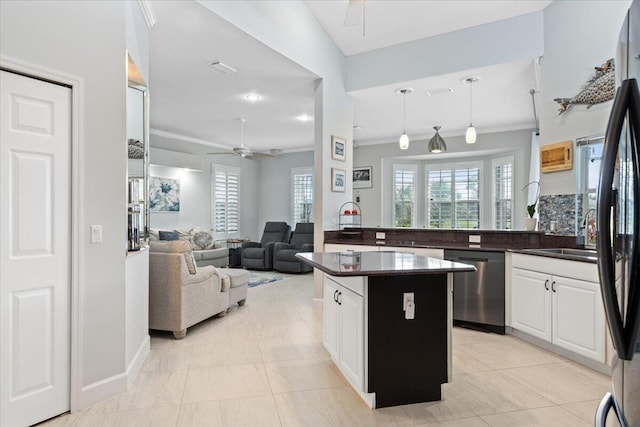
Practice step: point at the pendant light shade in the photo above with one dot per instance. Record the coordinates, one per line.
(403, 142)
(470, 136)
(437, 144)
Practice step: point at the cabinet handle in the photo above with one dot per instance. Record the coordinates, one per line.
(553, 286)
(339, 301)
(546, 285)
(335, 296)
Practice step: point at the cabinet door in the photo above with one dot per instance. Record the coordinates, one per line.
(531, 303)
(578, 317)
(351, 337)
(330, 318)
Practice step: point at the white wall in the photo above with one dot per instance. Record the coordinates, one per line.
(376, 202)
(578, 36)
(195, 199)
(86, 39)
(275, 186)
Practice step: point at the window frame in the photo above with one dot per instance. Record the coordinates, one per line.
(502, 161)
(430, 167)
(409, 168)
(227, 170)
(308, 170)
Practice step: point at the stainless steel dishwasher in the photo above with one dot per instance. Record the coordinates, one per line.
(478, 297)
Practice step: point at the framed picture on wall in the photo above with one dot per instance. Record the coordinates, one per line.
(164, 195)
(362, 177)
(338, 180)
(338, 148)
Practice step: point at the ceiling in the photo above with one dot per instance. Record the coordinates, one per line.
(196, 109)
(391, 22)
(190, 101)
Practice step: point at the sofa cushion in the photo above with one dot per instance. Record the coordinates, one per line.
(176, 246)
(168, 235)
(202, 239)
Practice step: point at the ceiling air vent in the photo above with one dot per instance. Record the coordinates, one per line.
(222, 67)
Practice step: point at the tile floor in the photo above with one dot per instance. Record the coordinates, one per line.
(264, 365)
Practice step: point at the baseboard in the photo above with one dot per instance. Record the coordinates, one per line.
(578, 358)
(101, 390)
(138, 360)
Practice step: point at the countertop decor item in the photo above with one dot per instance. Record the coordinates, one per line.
(530, 221)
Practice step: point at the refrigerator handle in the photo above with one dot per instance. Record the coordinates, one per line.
(632, 319)
(606, 262)
(606, 404)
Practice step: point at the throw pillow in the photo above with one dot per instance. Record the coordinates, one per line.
(202, 239)
(169, 235)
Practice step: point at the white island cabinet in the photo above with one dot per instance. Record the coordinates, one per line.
(559, 301)
(387, 322)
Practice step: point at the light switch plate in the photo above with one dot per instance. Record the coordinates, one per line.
(474, 238)
(96, 234)
(379, 235)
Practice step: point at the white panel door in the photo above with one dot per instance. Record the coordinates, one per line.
(351, 336)
(578, 317)
(35, 161)
(531, 302)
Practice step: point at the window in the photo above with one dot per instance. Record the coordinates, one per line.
(503, 193)
(453, 196)
(302, 195)
(404, 195)
(226, 200)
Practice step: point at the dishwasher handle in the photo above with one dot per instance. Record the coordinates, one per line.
(470, 259)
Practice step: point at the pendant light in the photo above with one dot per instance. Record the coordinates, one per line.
(436, 144)
(470, 136)
(403, 142)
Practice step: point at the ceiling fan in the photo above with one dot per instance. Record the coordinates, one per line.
(244, 151)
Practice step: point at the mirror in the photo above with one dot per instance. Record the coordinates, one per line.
(137, 158)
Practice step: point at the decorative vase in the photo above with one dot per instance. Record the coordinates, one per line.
(530, 223)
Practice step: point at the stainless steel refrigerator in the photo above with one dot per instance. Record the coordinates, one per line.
(619, 230)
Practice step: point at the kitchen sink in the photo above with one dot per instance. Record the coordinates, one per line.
(569, 252)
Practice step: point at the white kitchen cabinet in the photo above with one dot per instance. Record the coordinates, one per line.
(566, 311)
(343, 321)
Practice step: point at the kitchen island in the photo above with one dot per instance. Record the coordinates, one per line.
(387, 319)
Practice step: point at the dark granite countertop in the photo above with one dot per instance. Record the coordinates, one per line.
(471, 246)
(384, 263)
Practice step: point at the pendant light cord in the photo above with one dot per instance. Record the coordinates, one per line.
(470, 102)
(404, 112)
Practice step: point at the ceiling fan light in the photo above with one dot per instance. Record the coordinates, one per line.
(436, 143)
(404, 141)
(470, 136)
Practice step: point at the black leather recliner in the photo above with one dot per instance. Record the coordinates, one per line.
(284, 258)
(259, 256)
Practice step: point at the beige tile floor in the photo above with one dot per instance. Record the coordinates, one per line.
(264, 365)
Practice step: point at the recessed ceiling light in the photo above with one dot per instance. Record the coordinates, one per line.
(222, 68)
(304, 117)
(440, 91)
(252, 97)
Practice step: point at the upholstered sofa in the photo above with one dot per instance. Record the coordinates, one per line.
(181, 294)
(206, 250)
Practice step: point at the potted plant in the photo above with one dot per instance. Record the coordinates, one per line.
(531, 222)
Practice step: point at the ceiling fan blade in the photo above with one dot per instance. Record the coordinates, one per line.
(354, 12)
(220, 153)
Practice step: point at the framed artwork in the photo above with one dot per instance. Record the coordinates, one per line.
(338, 148)
(362, 177)
(164, 195)
(338, 180)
